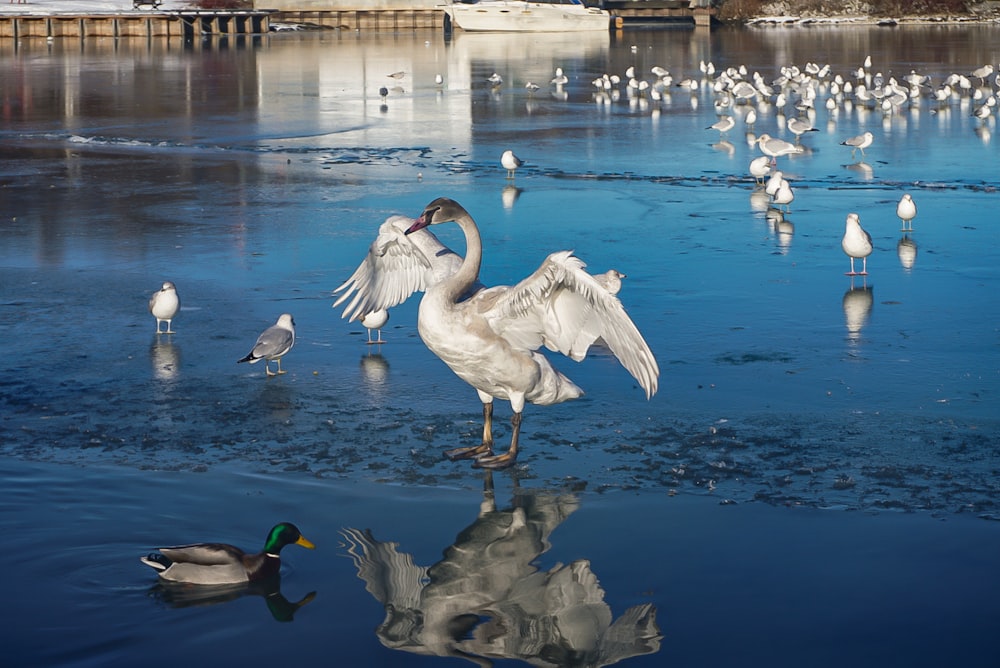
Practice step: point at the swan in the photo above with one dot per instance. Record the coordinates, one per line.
(164, 305)
(490, 336)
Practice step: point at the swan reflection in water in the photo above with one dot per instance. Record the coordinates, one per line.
(184, 595)
(487, 598)
(858, 302)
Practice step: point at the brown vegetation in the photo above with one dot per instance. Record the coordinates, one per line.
(741, 10)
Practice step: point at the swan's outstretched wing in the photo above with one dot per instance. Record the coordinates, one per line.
(397, 265)
(566, 309)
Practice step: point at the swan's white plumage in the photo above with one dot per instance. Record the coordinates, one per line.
(489, 336)
(397, 265)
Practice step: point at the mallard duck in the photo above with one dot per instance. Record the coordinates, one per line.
(219, 563)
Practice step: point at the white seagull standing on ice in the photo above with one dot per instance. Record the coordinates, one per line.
(490, 337)
(859, 143)
(759, 168)
(510, 162)
(857, 244)
(723, 125)
(907, 211)
(775, 148)
(375, 320)
(164, 305)
(273, 344)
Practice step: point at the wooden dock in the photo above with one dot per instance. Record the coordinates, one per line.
(186, 24)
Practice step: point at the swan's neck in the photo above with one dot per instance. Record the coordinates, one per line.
(468, 273)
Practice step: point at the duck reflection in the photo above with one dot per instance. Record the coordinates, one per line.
(487, 599)
(165, 358)
(183, 595)
(857, 302)
(906, 249)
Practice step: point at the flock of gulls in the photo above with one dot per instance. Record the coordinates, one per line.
(739, 95)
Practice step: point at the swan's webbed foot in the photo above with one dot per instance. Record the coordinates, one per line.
(495, 462)
(471, 452)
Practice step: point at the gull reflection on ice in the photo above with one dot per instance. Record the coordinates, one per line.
(165, 357)
(863, 169)
(487, 598)
(906, 249)
(374, 372)
(858, 302)
(184, 595)
(509, 195)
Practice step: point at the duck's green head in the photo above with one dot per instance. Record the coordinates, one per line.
(284, 534)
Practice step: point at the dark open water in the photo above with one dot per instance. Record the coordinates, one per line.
(831, 447)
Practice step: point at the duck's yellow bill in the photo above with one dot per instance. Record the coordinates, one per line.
(305, 543)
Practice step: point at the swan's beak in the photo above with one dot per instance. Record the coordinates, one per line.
(419, 224)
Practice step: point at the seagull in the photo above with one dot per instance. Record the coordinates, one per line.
(164, 305)
(776, 148)
(273, 344)
(774, 182)
(397, 75)
(560, 79)
(907, 211)
(861, 142)
(490, 337)
(611, 280)
(784, 194)
(723, 125)
(750, 119)
(375, 320)
(799, 127)
(510, 162)
(759, 168)
(438, 79)
(857, 244)
(531, 87)
(495, 79)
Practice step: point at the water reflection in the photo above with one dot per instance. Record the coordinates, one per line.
(863, 169)
(182, 595)
(906, 249)
(165, 358)
(509, 196)
(487, 597)
(858, 302)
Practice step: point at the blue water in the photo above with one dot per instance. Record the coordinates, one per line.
(813, 483)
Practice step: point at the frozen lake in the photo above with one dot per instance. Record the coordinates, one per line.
(254, 173)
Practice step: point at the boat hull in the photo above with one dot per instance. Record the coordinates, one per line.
(527, 17)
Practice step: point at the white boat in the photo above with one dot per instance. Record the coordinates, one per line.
(527, 16)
